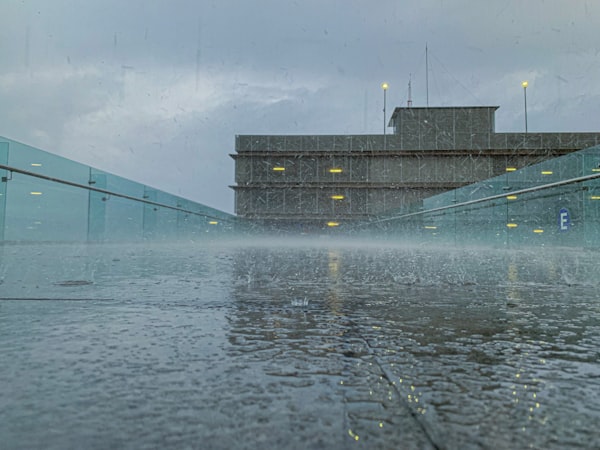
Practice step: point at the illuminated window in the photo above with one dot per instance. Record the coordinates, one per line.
(430, 227)
(335, 170)
(36, 165)
(279, 169)
(333, 224)
(538, 231)
(35, 193)
(512, 225)
(511, 197)
(337, 197)
(213, 222)
(511, 169)
(547, 172)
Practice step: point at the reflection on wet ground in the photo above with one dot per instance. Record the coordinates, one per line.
(298, 346)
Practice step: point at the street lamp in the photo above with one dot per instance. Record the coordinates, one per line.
(525, 84)
(384, 86)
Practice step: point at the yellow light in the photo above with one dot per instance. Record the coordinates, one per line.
(430, 227)
(213, 222)
(278, 169)
(35, 193)
(384, 86)
(538, 231)
(597, 169)
(337, 197)
(547, 172)
(335, 170)
(511, 169)
(524, 84)
(36, 165)
(595, 197)
(512, 225)
(333, 224)
(511, 197)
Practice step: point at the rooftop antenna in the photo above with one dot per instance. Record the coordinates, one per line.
(427, 73)
(409, 103)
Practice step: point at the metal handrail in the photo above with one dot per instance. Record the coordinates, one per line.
(106, 191)
(493, 197)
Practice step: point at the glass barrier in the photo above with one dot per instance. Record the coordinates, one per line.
(3, 183)
(44, 197)
(553, 203)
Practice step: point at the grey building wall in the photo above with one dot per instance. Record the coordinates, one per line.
(432, 150)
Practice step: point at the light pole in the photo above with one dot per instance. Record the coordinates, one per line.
(384, 86)
(525, 84)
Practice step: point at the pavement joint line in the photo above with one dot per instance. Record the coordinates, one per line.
(389, 378)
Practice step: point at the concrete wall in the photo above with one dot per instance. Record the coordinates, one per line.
(432, 151)
(397, 142)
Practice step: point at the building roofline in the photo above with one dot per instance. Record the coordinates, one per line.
(398, 109)
(446, 107)
(406, 108)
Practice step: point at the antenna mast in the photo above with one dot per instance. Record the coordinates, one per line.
(409, 103)
(427, 73)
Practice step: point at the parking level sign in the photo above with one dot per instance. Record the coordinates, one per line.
(564, 220)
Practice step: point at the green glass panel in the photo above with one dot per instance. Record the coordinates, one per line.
(124, 217)
(49, 198)
(41, 209)
(560, 215)
(97, 207)
(3, 184)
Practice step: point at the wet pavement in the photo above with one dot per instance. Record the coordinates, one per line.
(311, 344)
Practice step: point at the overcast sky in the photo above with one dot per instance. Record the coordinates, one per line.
(156, 90)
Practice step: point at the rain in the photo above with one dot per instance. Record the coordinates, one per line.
(141, 304)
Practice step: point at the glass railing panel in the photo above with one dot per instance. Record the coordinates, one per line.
(591, 213)
(150, 216)
(591, 161)
(189, 224)
(44, 197)
(124, 217)
(158, 222)
(34, 160)
(3, 185)
(42, 210)
(97, 207)
(555, 208)
(37, 208)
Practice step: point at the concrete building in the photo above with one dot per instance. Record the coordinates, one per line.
(315, 181)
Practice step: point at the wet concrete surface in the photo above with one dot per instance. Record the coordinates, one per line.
(304, 345)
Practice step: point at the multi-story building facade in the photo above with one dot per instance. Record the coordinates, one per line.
(309, 181)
